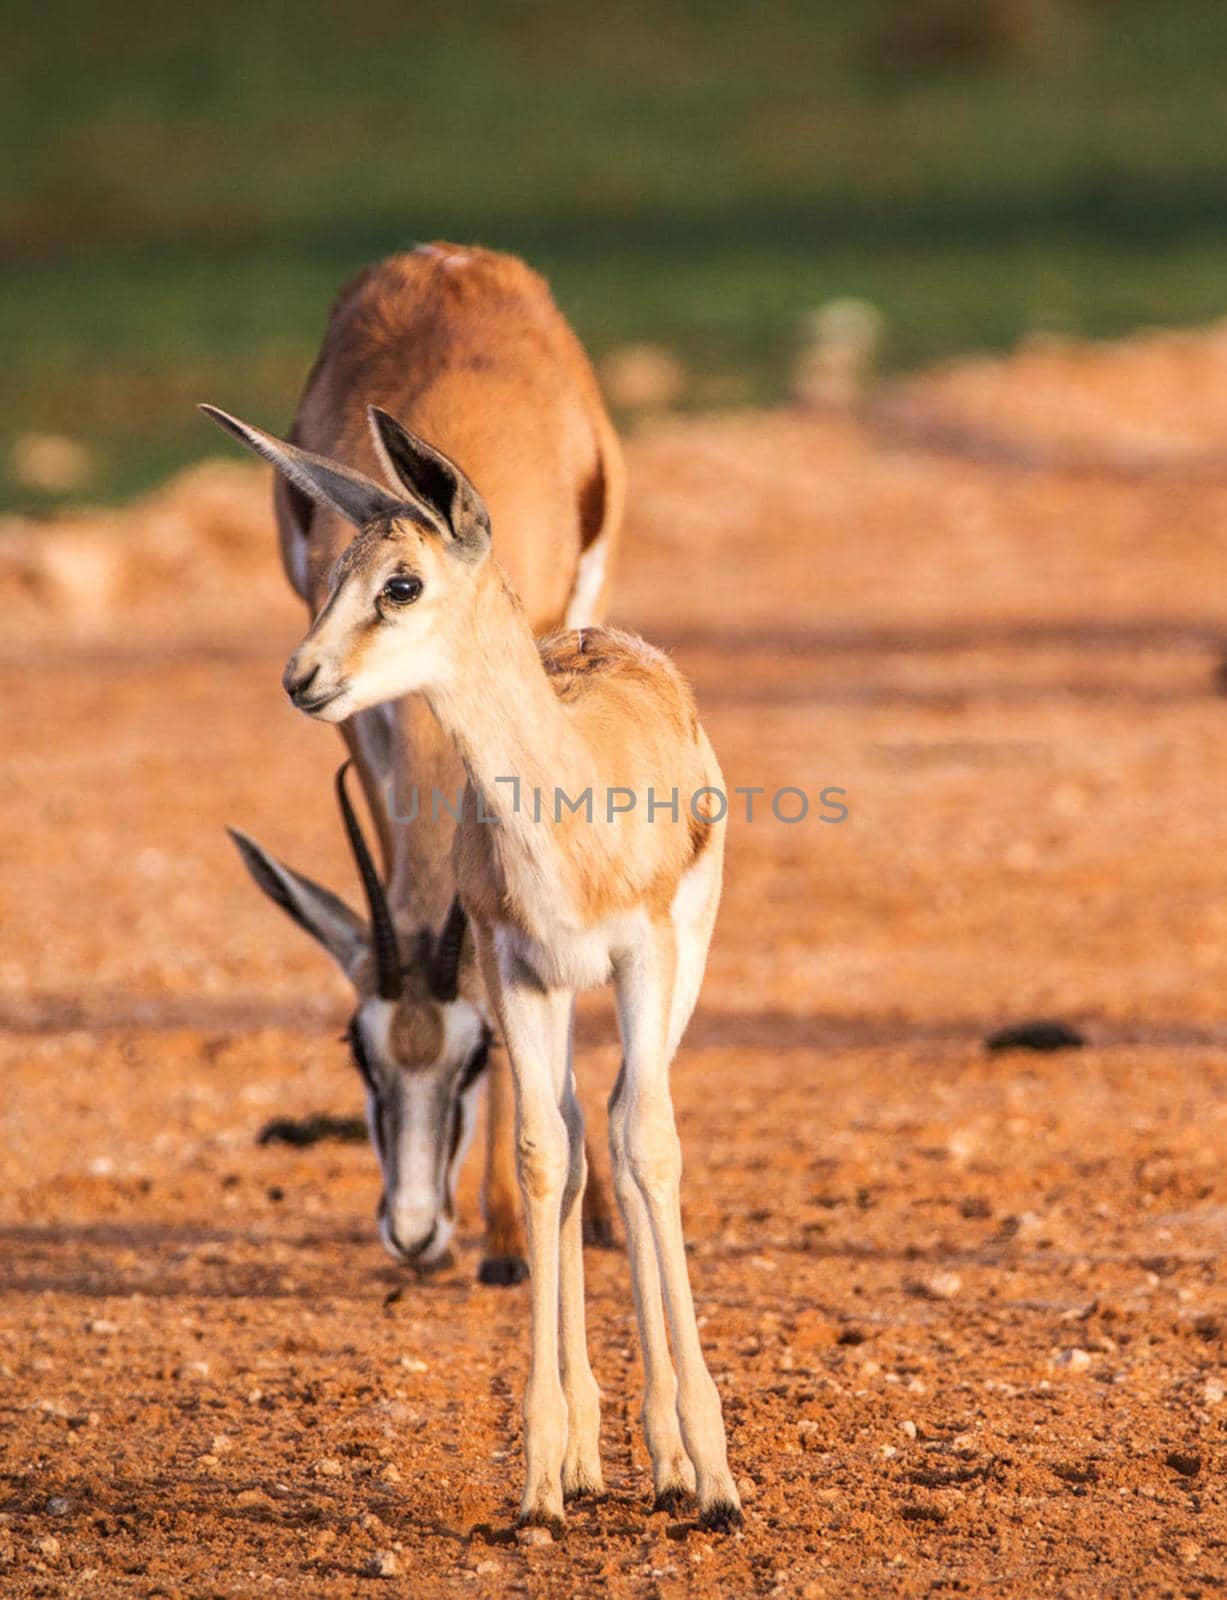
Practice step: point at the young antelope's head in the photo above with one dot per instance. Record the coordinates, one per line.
(420, 1044)
(395, 617)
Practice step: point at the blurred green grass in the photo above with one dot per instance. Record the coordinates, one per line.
(186, 188)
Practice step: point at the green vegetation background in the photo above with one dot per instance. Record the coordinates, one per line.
(186, 186)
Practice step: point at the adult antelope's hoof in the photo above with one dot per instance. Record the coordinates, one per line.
(502, 1271)
(722, 1516)
(671, 1501)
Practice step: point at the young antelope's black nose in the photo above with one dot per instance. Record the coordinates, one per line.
(296, 687)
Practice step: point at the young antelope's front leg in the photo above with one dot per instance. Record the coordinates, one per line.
(529, 1019)
(644, 979)
(504, 1256)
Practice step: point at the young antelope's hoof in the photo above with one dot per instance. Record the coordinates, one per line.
(582, 1489)
(671, 1501)
(502, 1271)
(722, 1516)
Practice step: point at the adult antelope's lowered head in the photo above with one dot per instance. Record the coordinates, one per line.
(420, 1045)
(393, 621)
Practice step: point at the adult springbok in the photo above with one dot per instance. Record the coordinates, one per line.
(469, 347)
(584, 853)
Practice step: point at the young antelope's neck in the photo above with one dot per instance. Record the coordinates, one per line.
(503, 714)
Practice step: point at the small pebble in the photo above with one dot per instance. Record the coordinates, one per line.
(101, 1325)
(1076, 1360)
(58, 1506)
(944, 1285)
(412, 1364)
(534, 1536)
(747, 1488)
(48, 1547)
(809, 1432)
(1214, 1392)
(327, 1467)
(909, 1427)
(383, 1564)
(252, 1497)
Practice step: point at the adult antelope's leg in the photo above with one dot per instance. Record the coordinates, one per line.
(503, 1259)
(672, 1473)
(581, 1470)
(528, 1016)
(644, 978)
(598, 1221)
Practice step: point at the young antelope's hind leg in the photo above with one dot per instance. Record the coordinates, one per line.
(503, 1258)
(644, 978)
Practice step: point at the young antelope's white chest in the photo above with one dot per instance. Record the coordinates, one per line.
(562, 955)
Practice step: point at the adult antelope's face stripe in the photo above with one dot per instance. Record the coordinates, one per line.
(421, 1115)
(421, 1046)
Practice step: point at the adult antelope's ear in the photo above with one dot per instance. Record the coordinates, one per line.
(325, 917)
(435, 483)
(359, 499)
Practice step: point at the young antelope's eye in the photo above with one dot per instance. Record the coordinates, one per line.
(401, 591)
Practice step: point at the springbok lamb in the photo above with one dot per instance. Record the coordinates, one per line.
(590, 847)
(469, 347)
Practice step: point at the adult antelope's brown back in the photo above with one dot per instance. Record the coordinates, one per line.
(467, 348)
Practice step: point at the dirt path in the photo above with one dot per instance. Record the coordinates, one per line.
(967, 1311)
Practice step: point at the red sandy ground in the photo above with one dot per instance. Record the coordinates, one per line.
(966, 1311)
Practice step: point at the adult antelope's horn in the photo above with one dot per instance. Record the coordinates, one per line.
(383, 933)
(445, 962)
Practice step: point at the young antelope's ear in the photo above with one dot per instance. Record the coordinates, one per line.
(326, 918)
(359, 499)
(435, 483)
